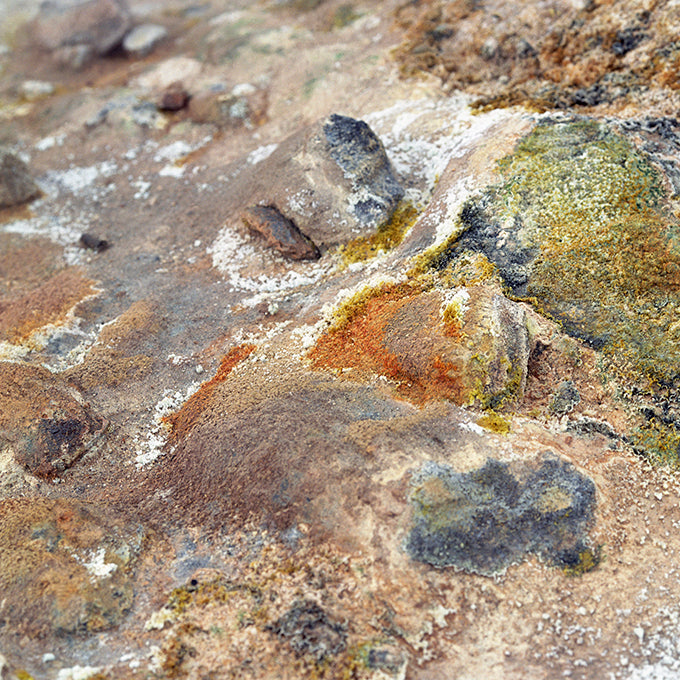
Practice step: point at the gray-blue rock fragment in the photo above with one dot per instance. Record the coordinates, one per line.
(361, 156)
(487, 519)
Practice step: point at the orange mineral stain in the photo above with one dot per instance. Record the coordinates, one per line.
(183, 421)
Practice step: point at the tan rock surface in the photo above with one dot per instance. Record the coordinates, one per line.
(216, 461)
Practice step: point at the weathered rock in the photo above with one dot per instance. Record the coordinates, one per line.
(279, 232)
(142, 39)
(468, 345)
(333, 179)
(240, 107)
(64, 566)
(581, 223)
(173, 98)
(96, 26)
(565, 398)
(93, 242)
(16, 184)
(484, 520)
(44, 421)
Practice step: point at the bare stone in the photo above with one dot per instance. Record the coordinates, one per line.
(97, 24)
(174, 97)
(142, 39)
(279, 232)
(333, 179)
(16, 184)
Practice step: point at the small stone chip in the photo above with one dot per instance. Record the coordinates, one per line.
(173, 98)
(279, 232)
(92, 242)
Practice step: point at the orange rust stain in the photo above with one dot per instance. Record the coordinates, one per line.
(47, 304)
(183, 421)
(359, 344)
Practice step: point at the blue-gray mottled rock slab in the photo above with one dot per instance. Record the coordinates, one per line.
(487, 519)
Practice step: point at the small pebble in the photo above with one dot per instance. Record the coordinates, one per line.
(92, 242)
(173, 98)
(142, 39)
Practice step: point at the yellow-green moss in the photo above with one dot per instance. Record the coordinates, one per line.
(385, 237)
(589, 213)
(659, 441)
(494, 422)
(23, 675)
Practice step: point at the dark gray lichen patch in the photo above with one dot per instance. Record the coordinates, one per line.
(308, 629)
(487, 519)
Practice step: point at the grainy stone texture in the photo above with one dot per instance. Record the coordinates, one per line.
(16, 184)
(486, 519)
(95, 24)
(279, 232)
(220, 461)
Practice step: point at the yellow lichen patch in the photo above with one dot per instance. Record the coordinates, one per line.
(385, 238)
(494, 422)
(659, 440)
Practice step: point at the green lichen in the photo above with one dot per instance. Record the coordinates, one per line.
(589, 227)
(607, 260)
(658, 440)
(386, 237)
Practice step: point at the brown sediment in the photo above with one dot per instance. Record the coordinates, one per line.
(50, 303)
(115, 359)
(183, 421)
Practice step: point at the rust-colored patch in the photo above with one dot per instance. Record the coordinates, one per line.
(549, 55)
(360, 344)
(183, 421)
(49, 303)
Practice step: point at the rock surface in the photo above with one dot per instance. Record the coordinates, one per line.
(16, 184)
(142, 39)
(442, 444)
(98, 25)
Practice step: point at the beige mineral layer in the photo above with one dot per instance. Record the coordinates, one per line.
(339, 340)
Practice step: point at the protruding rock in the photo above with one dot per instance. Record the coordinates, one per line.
(16, 184)
(142, 39)
(470, 346)
(92, 26)
(64, 566)
(279, 232)
(174, 97)
(43, 421)
(333, 179)
(348, 185)
(484, 520)
(243, 106)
